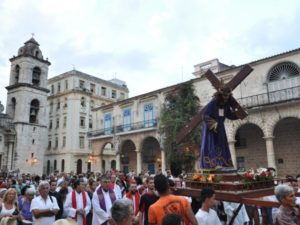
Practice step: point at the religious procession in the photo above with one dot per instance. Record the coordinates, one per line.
(215, 195)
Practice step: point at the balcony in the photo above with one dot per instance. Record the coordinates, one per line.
(272, 97)
(124, 128)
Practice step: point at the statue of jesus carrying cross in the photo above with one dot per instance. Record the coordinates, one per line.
(215, 151)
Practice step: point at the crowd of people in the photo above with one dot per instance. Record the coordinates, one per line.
(114, 198)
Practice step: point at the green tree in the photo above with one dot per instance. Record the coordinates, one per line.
(180, 106)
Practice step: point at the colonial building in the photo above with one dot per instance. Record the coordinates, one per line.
(72, 97)
(126, 134)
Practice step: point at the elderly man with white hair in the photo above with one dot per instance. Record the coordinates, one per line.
(288, 212)
(44, 207)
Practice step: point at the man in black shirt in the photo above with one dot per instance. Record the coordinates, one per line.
(147, 199)
(57, 195)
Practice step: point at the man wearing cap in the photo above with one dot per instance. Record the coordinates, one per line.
(102, 201)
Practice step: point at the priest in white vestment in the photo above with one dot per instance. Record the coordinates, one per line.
(102, 201)
(78, 203)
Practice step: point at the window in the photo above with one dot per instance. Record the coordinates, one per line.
(34, 110)
(64, 141)
(81, 142)
(92, 104)
(114, 94)
(13, 107)
(51, 107)
(57, 123)
(52, 89)
(82, 102)
(55, 164)
(0, 138)
(82, 122)
(90, 144)
(62, 165)
(17, 73)
(36, 73)
(92, 88)
(66, 103)
(81, 84)
(126, 119)
(66, 85)
(58, 105)
(56, 143)
(108, 123)
(58, 87)
(122, 96)
(90, 123)
(103, 91)
(148, 115)
(50, 124)
(49, 145)
(65, 122)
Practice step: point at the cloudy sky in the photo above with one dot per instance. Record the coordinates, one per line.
(149, 44)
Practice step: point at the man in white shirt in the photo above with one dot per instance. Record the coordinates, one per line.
(206, 215)
(43, 207)
(102, 201)
(78, 203)
(242, 216)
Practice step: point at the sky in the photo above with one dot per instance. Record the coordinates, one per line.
(150, 44)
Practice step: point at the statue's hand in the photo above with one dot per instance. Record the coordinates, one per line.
(213, 125)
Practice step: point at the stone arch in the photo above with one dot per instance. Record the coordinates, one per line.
(275, 119)
(79, 166)
(36, 76)
(233, 126)
(286, 146)
(250, 147)
(151, 154)
(34, 111)
(128, 155)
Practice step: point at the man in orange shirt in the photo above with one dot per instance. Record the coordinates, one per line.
(168, 204)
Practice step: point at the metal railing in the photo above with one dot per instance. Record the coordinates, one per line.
(124, 128)
(271, 97)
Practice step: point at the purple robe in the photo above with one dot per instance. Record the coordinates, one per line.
(214, 148)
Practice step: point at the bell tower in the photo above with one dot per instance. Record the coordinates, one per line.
(27, 106)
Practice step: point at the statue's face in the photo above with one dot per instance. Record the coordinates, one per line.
(225, 97)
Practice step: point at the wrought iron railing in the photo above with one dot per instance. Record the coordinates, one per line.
(271, 97)
(124, 128)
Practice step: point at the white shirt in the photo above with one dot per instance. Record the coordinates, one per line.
(242, 216)
(99, 215)
(207, 218)
(39, 203)
(79, 205)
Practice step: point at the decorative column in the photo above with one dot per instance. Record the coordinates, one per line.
(139, 162)
(163, 160)
(232, 152)
(270, 152)
(118, 163)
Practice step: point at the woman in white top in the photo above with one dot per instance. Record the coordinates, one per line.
(9, 207)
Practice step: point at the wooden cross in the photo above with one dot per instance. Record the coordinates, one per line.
(216, 83)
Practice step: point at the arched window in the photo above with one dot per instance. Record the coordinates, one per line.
(13, 107)
(79, 166)
(48, 167)
(55, 165)
(62, 165)
(17, 74)
(36, 76)
(34, 110)
(82, 102)
(283, 71)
